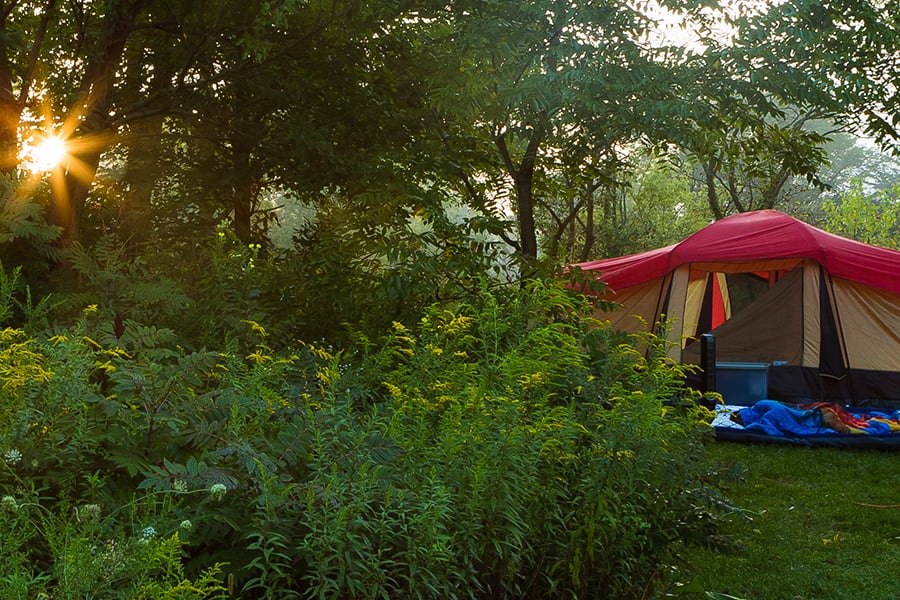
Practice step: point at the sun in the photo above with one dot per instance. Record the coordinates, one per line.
(44, 154)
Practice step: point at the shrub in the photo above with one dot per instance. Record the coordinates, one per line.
(88, 562)
(506, 445)
(533, 461)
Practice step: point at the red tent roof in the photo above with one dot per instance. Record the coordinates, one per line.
(761, 235)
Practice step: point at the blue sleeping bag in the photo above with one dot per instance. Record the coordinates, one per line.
(777, 419)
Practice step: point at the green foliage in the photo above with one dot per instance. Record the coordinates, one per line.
(744, 168)
(8, 285)
(503, 445)
(140, 567)
(512, 111)
(20, 365)
(121, 283)
(25, 236)
(17, 305)
(231, 282)
(343, 273)
(832, 65)
(870, 219)
(467, 439)
(532, 462)
(92, 561)
(336, 279)
(535, 108)
(147, 433)
(659, 208)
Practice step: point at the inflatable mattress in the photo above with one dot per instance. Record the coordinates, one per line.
(813, 424)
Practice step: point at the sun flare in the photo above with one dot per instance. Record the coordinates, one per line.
(45, 154)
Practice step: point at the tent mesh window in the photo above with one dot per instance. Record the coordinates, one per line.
(743, 289)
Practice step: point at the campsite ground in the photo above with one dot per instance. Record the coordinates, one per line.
(820, 524)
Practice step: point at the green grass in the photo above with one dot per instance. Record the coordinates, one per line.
(812, 532)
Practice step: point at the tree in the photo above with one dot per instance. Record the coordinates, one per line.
(546, 93)
(786, 66)
(853, 159)
(551, 96)
(746, 168)
(243, 90)
(23, 40)
(871, 219)
(526, 112)
(89, 123)
(842, 59)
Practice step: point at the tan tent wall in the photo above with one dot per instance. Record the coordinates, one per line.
(696, 293)
(783, 324)
(870, 322)
(693, 303)
(726, 295)
(640, 306)
(812, 322)
(675, 311)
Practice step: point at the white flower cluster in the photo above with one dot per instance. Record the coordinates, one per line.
(148, 533)
(9, 504)
(90, 512)
(111, 555)
(12, 457)
(217, 491)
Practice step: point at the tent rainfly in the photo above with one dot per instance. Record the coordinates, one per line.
(773, 290)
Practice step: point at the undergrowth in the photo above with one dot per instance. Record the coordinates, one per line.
(503, 446)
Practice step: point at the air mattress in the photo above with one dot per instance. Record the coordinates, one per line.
(812, 424)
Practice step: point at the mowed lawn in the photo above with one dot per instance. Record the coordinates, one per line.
(821, 524)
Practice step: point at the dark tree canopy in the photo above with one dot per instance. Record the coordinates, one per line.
(183, 115)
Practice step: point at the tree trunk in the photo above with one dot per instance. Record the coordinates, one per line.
(243, 197)
(711, 196)
(523, 180)
(10, 113)
(94, 135)
(772, 192)
(525, 211)
(589, 236)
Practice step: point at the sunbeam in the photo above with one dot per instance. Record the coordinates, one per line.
(44, 153)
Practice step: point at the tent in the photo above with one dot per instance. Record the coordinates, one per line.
(772, 290)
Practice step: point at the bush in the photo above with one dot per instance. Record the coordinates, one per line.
(534, 461)
(503, 446)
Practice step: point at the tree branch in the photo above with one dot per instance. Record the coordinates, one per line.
(34, 54)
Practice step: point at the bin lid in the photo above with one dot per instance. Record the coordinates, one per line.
(742, 365)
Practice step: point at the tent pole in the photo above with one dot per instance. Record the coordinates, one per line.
(708, 362)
